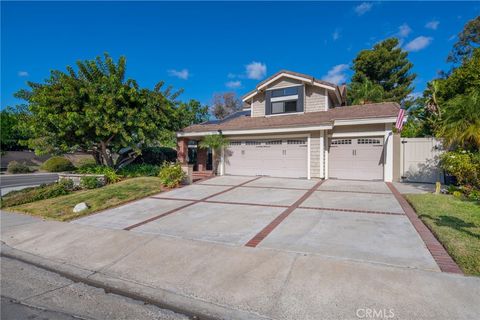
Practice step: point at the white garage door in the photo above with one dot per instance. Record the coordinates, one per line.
(275, 157)
(356, 158)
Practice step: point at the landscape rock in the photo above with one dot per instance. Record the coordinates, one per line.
(79, 207)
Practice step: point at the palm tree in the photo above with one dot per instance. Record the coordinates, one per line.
(460, 125)
(431, 102)
(215, 142)
(365, 92)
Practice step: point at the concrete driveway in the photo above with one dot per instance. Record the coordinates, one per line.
(352, 220)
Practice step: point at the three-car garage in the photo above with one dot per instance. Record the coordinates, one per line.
(356, 158)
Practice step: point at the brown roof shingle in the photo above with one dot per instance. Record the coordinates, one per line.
(374, 110)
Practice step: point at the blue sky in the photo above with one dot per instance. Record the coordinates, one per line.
(221, 46)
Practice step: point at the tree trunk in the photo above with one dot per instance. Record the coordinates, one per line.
(107, 157)
(214, 162)
(98, 157)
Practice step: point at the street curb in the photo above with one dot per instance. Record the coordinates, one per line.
(190, 307)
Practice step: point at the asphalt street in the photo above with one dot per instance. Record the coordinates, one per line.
(19, 180)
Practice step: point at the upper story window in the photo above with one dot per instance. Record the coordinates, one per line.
(284, 100)
(284, 107)
(290, 91)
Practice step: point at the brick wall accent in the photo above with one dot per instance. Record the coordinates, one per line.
(202, 159)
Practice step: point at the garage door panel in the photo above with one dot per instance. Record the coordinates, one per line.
(278, 158)
(356, 158)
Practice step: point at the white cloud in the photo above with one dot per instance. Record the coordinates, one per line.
(23, 74)
(363, 8)
(415, 95)
(180, 74)
(233, 84)
(256, 70)
(336, 34)
(432, 24)
(452, 37)
(404, 30)
(418, 43)
(231, 75)
(337, 74)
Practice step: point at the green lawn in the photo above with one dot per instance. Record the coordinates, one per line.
(456, 223)
(61, 208)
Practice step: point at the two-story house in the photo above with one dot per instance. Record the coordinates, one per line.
(297, 126)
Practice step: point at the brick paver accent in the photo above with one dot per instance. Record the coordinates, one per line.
(185, 206)
(272, 225)
(256, 187)
(439, 254)
(367, 192)
(353, 210)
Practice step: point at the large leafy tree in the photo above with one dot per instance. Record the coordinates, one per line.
(387, 65)
(225, 104)
(467, 41)
(96, 109)
(11, 131)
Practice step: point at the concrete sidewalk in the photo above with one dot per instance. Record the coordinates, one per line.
(219, 281)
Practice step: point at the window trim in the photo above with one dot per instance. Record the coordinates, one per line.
(284, 98)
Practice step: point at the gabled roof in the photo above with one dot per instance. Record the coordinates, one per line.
(245, 122)
(292, 75)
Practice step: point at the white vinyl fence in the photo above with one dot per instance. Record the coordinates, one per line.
(419, 158)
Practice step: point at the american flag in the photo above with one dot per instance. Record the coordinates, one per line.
(400, 117)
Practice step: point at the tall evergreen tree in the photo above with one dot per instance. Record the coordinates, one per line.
(388, 66)
(467, 41)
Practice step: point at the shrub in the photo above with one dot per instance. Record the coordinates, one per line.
(474, 195)
(171, 175)
(16, 167)
(464, 166)
(46, 191)
(85, 162)
(90, 182)
(139, 170)
(156, 156)
(58, 164)
(110, 174)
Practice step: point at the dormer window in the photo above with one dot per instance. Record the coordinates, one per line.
(284, 100)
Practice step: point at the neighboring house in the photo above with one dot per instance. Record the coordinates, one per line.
(297, 126)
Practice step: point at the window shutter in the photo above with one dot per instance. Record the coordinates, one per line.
(300, 101)
(268, 103)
